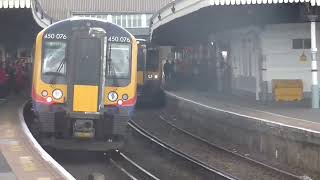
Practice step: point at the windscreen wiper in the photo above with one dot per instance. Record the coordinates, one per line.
(57, 72)
(111, 71)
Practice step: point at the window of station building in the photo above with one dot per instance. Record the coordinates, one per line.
(135, 21)
(124, 20)
(129, 21)
(139, 19)
(301, 44)
(118, 20)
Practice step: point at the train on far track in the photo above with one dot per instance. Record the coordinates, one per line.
(84, 84)
(149, 74)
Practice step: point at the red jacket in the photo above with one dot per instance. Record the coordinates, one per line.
(20, 77)
(3, 77)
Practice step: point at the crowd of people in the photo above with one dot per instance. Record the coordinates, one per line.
(13, 77)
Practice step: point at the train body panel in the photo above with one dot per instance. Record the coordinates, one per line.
(84, 84)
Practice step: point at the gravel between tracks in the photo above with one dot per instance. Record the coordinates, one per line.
(238, 167)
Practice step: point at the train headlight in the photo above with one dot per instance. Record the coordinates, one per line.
(57, 94)
(112, 96)
(156, 76)
(120, 102)
(150, 76)
(49, 99)
(125, 97)
(44, 93)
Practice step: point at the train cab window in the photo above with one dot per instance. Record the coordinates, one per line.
(54, 61)
(118, 64)
(141, 58)
(152, 60)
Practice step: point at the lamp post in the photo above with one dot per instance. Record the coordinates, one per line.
(314, 66)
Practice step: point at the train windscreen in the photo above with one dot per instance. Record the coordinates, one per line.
(118, 64)
(53, 61)
(152, 63)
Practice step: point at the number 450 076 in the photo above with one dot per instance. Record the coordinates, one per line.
(55, 36)
(119, 39)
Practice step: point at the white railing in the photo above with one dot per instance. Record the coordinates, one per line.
(40, 16)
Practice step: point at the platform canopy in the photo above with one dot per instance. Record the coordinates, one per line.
(180, 8)
(4, 4)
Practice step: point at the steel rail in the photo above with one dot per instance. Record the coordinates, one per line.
(229, 151)
(131, 162)
(123, 170)
(164, 145)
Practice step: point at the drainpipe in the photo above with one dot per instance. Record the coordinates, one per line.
(314, 66)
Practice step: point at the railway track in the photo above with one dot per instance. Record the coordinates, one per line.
(214, 173)
(130, 168)
(291, 175)
(211, 155)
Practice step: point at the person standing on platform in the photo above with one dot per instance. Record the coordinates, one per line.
(11, 77)
(172, 70)
(3, 82)
(20, 77)
(166, 71)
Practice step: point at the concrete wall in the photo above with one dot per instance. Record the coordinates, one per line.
(244, 57)
(275, 144)
(282, 61)
(270, 47)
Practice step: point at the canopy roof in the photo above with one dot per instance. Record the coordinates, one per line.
(180, 8)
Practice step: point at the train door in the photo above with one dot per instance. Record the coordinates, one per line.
(86, 72)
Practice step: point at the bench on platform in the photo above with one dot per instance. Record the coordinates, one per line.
(287, 89)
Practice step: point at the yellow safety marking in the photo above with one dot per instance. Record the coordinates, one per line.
(16, 147)
(9, 133)
(4, 127)
(44, 178)
(27, 163)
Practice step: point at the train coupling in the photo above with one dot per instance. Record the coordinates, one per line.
(83, 129)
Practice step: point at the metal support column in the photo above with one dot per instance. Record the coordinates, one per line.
(314, 66)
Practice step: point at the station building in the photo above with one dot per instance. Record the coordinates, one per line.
(21, 20)
(246, 47)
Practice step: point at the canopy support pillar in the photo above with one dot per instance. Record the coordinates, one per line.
(314, 66)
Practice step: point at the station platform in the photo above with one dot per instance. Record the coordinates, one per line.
(281, 134)
(20, 155)
(293, 114)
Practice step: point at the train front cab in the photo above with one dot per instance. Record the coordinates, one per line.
(150, 76)
(74, 104)
(150, 91)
